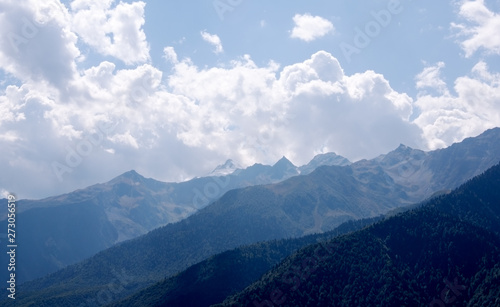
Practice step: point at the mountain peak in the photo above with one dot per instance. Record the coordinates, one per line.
(284, 168)
(329, 158)
(401, 153)
(283, 162)
(131, 175)
(402, 148)
(225, 169)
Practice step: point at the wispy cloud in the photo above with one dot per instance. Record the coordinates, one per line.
(430, 78)
(214, 40)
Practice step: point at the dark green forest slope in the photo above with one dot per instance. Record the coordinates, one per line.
(446, 253)
(212, 280)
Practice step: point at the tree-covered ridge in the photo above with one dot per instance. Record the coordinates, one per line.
(444, 253)
(212, 280)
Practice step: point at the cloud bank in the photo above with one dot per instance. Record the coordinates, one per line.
(67, 123)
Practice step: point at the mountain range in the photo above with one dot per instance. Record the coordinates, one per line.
(448, 228)
(301, 205)
(446, 252)
(62, 230)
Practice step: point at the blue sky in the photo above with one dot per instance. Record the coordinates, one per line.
(90, 89)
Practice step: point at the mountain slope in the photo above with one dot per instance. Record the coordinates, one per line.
(423, 173)
(301, 205)
(284, 169)
(212, 280)
(124, 208)
(203, 283)
(448, 250)
(298, 206)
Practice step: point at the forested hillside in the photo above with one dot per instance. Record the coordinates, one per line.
(212, 280)
(447, 251)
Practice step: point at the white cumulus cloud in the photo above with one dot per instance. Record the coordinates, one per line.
(309, 28)
(96, 120)
(115, 31)
(260, 113)
(446, 118)
(481, 31)
(243, 111)
(36, 43)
